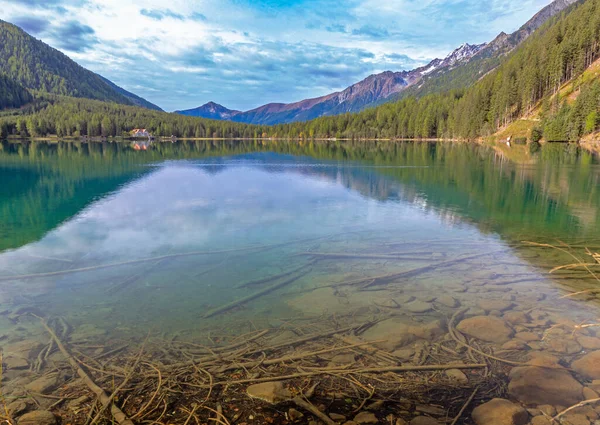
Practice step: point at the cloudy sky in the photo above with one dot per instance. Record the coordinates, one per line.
(243, 53)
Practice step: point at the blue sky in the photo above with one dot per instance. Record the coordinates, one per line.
(244, 53)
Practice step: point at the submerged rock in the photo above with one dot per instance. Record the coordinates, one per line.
(500, 412)
(499, 305)
(563, 345)
(15, 363)
(347, 358)
(45, 384)
(26, 349)
(527, 336)
(575, 419)
(294, 414)
(588, 365)
(540, 420)
(424, 420)
(448, 301)
(545, 384)
(514, 344)
(271, 392)
(589, 342)
(418, 306)
(486, 328)
(397, 332)
(366, 418)
(38, 417)
(515, 317)
(457, 375)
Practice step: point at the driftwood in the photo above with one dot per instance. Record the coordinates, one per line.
(378, 280)
(250, 297)
(326, 371)
(158, 258)
(104, 398)
(290, 358)
(361, 256)
(257, 282)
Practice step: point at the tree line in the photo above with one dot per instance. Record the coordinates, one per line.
(559, 51)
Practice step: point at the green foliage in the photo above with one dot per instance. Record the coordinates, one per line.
(37, 66)
(66, 116)
(520, 140)
(12, 95)
(534, 147)
(536, 134)
(591, 122)
(557, 52)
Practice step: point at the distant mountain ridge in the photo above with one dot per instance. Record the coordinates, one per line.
(353, 99)
(485, 60)
(37, 66)
(460, 68)
(210, 110)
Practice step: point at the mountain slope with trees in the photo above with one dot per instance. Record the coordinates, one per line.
(41, 68)
(529, 80)
(12, 95)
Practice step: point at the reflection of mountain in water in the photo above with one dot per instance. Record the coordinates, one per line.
(45, 184)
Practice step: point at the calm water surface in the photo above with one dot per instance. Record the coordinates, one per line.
(210, 222)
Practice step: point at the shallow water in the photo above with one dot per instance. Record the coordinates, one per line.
(211, 222)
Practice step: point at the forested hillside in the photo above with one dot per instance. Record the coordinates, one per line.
(66, 116)
(558, 52)
(528, 81)
(12, 95)
(37, 66)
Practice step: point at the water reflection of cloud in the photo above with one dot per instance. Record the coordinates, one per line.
(184, 206)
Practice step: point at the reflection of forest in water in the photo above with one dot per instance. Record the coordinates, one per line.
(45, 184)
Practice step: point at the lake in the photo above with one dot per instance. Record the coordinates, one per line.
(419, 254)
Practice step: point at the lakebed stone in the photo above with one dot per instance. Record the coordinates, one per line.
(544, 384)
(540, 420)
(499, 305)
(457, 375)
(44, 384)
(499, 411)
(418, 306)
(15, 363)
(527, 336)
(515, 317)
(486, 328)
(589, 342)
(26, 349)
(271, 392)
(366, 418)
(398, 332)
(447, 301)
(424, 420)
(563, 345)
(514, 344)
(588, 365)
(38, 417)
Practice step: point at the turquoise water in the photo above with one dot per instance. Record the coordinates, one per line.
(207, 223)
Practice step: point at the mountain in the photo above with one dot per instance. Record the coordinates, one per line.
(36, 66)
(483, 61)
(355, 98)
(459, 69)
(547, 88)
(12, 94)
(210, 110)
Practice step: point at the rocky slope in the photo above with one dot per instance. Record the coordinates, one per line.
(461, 68)
(486, 59)
(372, 89)
(210, 110)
